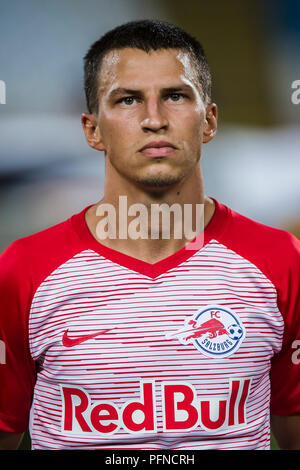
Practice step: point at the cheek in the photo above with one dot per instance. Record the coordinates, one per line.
(114, 128)
(118, 137)
(109, 130)
(190, 115)
(191, 132)
(191, 126)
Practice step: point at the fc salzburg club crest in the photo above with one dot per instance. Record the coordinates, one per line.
(214, 330)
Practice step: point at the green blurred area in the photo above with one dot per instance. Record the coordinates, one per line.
(233, 35)
(274, 445)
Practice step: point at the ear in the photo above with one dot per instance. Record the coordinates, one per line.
(91, 131)
(210, 123)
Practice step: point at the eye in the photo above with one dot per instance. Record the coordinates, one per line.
(127, 100)
(176, 96)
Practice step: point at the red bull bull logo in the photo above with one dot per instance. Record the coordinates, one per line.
(215, 330)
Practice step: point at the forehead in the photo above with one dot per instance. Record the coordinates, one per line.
(131, 67)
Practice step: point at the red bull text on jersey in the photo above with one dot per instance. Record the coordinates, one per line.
(103, 351)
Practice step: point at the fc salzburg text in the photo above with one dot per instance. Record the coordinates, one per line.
(181, 410)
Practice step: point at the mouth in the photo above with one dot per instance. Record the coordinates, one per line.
(158, 149)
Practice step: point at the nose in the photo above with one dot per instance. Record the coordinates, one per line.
(154, 117)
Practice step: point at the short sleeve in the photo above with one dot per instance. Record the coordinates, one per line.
(17, 369)
(285, 366)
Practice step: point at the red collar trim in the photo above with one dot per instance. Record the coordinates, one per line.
(213, 230)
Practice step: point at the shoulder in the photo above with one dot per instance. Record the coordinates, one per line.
(31, 244)
(276, 252)
(246, 234)
(36, 255)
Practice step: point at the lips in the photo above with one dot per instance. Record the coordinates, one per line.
(158, 149)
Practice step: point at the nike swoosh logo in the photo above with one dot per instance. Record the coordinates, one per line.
(70, 342)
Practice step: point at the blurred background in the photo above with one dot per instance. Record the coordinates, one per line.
(48, 172)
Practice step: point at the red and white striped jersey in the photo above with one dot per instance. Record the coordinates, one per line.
(100, 350)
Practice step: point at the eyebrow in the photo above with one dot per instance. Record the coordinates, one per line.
(128, 91)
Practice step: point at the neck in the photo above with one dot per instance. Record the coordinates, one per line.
(138, 230)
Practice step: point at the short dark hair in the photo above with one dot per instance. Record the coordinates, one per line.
(146, 35)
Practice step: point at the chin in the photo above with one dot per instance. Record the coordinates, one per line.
(158, 181)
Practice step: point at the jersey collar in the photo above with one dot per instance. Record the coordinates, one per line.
(213, 230)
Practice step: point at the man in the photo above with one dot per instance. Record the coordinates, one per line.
(126, 342)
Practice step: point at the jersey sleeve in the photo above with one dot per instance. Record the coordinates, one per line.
(17, 368)
(285, 366)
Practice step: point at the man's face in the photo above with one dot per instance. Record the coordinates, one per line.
(151, 99)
